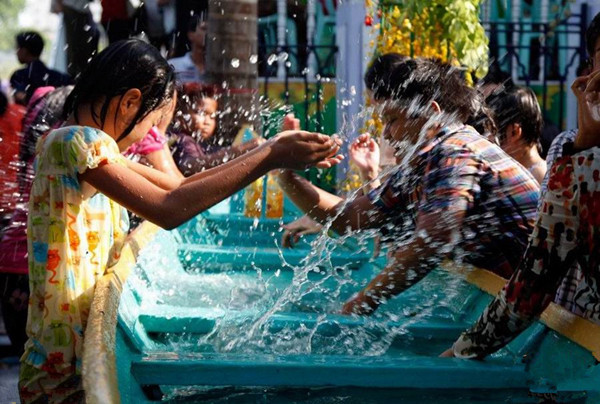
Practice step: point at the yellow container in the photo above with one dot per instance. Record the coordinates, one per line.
(253, 199)
(274, 198)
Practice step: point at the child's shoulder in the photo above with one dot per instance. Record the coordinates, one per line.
(68, 135)
(85, 133)
(76, 146)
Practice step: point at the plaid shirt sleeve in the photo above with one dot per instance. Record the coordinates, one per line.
(449, 183)
(550, 254)
(393, 195)
(451, 180)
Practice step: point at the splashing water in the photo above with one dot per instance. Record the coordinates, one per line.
(290, 308)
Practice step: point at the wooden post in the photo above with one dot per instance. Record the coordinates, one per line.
(231, 62)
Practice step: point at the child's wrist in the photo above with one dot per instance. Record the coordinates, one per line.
(369, 174)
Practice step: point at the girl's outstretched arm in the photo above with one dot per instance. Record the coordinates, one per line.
(170, 202)
(156, 176)
(162, 160)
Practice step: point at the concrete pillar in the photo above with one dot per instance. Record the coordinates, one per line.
(352, 59)
(232, 48)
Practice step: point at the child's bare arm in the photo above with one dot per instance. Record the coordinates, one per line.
(162, 160)
(155, 176)
(169, 202)
(322, 206)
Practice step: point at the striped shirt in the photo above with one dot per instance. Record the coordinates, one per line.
(461, 171)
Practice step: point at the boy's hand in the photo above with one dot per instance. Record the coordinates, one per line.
(298, 228)
(448, 353)
(364, 153)
(290, 122)
(299, 149)
(360, 304)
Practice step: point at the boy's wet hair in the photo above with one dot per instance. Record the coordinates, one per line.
(32, 41)
(592, 34)
(122, 66)
(377, 76)
(517, 105)
(481, 118)
(416, 83)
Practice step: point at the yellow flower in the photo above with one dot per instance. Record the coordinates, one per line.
(469, 79)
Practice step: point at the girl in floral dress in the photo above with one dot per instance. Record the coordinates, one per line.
(567, 230)
(77, 220)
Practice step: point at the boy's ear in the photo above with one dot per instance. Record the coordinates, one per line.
(514, 130)
(436, 107)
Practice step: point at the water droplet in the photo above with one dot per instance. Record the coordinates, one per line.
(235, 63)
(283, 56)
(271, 59)
(253, 59)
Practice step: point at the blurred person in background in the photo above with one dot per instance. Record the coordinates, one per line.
(191, 67)
(35, 74)
(519, 119)
(11, 117)
(81, 33)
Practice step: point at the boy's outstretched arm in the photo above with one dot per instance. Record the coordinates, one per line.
(323, 206)
(409, 263)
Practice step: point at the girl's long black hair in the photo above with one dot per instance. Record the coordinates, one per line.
(120, 67)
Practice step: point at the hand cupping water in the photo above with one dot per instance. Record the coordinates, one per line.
(296, 149)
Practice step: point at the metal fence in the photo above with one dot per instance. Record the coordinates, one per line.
(310, 65)
(541, 54)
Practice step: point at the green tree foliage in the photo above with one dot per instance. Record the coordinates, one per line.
(9, 22)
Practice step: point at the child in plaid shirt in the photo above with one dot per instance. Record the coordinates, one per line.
(458, 195)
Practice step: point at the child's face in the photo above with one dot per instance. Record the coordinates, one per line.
(140, 130)
(197, 38)
(204, 122)
(398, 127)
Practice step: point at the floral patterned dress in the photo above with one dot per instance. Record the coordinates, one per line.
(72, 240)
(567, 230)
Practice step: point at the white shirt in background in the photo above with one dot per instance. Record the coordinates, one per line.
(186, 71)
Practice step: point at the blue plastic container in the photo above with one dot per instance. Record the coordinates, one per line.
(216, 312)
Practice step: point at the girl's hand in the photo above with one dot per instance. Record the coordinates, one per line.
(364, 153)
(298, 228)
(290, 122)
(448, 353)
(299, 149)
(587, 91)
